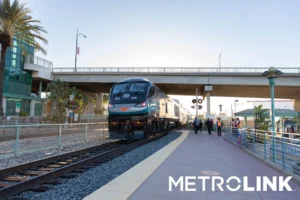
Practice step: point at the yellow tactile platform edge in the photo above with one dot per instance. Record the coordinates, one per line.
(124, 185)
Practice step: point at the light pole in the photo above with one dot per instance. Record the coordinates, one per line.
(272, 73)
(76, 49)
(220, 62)
(196, 102)
(235, 101)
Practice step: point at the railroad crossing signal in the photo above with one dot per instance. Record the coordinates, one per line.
(195, 101)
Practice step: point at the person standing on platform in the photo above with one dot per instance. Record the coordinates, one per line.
(238, 123)
(201, 125)
(208, 125)
(232, 125)
(196, 124)
(219, 126)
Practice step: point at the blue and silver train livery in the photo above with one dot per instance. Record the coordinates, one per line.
(138, 108)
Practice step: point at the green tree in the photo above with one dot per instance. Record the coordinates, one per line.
(262, 119)
(81, 98)
(59, 94)
(105, 98)
(16, 22)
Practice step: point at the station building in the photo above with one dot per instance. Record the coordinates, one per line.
(23, 72)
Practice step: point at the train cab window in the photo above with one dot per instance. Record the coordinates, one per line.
(119, 88)
(138, 87)
(151, 91)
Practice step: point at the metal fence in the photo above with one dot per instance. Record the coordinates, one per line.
(172, 70)
(21, 139)
(90, 118)
(283, 149)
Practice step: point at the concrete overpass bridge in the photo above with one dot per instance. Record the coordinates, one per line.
(229, 82)
(225, 81)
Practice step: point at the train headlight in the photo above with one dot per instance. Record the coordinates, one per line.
(111, 106)
(141, 104)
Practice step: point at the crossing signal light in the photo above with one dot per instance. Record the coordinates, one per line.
(200, 107)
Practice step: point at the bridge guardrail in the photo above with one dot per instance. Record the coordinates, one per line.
(282, 149)
(172, 69)
(39, 61)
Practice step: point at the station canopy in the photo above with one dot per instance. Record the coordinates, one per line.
(278, 113)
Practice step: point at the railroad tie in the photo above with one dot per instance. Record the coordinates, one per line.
(63, 163)
(54, 166)
(3, 185)
(15, 178)
(40, 189)
(45, 169)
(35, 173)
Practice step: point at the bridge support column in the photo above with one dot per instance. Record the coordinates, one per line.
(208, 103)
(99, 102)
(90, 108)
(207, 90)
(32, 107)
(297, 105)
(40, 89)
(4, 105)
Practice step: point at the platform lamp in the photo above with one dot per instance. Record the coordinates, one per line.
(272, 73)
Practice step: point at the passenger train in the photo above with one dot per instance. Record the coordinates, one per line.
(138, 108)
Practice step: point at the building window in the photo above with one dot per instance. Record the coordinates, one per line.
(14, 50)
(166, 107)
(13, 63)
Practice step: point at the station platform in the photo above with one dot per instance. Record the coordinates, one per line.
(195, 155)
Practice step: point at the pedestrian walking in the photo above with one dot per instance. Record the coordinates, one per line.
(212, 124)
(208, 125)
(201, 125)
(196, 125)
(219, 126)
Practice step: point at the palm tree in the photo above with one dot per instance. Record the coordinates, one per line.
(16, 22)
(261, 118)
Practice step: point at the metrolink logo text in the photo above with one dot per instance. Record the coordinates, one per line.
(233, 183)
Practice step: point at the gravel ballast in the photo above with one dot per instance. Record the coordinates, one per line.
(93, 179)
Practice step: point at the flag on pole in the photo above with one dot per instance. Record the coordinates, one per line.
(77, 50)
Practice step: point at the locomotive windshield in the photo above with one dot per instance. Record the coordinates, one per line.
(135, 92)
(119, 88)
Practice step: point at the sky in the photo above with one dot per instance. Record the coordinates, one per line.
(171, 33)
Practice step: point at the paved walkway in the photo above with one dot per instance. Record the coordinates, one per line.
(200, 153)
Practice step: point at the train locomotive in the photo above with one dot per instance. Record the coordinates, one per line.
(138, 108)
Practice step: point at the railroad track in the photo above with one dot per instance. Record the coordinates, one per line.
(30, 175)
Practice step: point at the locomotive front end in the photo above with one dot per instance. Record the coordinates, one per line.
(128, 110)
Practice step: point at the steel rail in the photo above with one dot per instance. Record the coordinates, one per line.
(56, 172)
